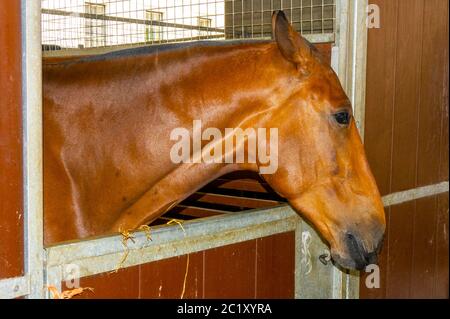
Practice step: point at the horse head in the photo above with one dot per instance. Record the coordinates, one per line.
(322, 168)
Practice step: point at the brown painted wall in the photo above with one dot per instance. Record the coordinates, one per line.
(11, 210)
(406, 140)
(261, 268)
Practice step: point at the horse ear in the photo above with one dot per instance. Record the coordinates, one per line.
(291, 44)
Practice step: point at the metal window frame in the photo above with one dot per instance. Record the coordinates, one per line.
(31, 284)
(349, 59)
(152, 29)
(45, 266)
(324, 35)
(41, 269)
(103, 255)
(94, 39)
(352, 54)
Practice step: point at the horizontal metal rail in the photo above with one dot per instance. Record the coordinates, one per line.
(215, 226)
(415, 193)
(313, 38)
(14, 287)
(234, 197)
(155, 23)
(106, 254)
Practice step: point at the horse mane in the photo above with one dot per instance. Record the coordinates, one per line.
(155, 49)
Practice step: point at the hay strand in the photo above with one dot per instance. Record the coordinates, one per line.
(67, 294)
(179, 222)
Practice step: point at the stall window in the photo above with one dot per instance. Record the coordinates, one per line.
(95, 28)
(153, 32)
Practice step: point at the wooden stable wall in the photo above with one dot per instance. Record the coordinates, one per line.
(406, 139)
(11, 205)
(260, 268)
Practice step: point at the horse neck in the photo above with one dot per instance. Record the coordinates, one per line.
(228, 86)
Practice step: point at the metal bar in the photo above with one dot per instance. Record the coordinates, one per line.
(350, 66)
(359, 63)
(320, 37)
(103, 255)
(105, 263)
(108, 48)
(66, 253)
(32, 127)
(212, 210)
(342, 34)
(298, 261)
(53, 277)
(416, 193)
(353, 47)
(313, 280)
(313, 38)
(337, 52)
(352, 43)
(129, 20)
(14, 287)
(351, 285)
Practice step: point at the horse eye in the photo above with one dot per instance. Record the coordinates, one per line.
(343, 117)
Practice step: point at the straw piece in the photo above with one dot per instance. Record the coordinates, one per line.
(67, 294)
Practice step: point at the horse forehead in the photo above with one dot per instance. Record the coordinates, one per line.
(328, 87)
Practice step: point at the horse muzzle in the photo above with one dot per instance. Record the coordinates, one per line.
(358, 253)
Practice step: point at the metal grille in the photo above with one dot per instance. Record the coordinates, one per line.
(68, 24)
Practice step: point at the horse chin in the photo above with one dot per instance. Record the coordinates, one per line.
(347, 262)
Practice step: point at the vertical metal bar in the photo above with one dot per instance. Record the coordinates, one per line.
(262, 19)
(32, 126)
(359, 61)
(292, 12)
(190, 17)
(53, 277)
(252, 19)
(337, 283)
(352, 42)
(313, 280)
(342, 32)
(359, 57)
(322, 22)
(337, 274)
(242, 20)
(311, 17)
(298, 260)
(233, 18)
(301, 16)
(352, 54)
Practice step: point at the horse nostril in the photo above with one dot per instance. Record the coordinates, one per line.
(357, 252)
(360, 256)
(352, 242)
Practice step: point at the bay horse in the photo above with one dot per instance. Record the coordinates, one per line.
(108, 118)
